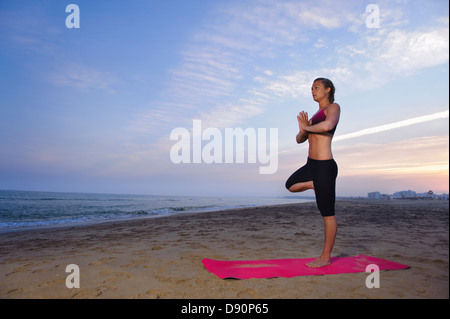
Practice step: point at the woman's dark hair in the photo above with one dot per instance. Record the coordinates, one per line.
(328, 84)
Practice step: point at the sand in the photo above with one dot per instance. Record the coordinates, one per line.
(161, 257)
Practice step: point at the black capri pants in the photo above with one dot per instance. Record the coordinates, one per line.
(323, 174)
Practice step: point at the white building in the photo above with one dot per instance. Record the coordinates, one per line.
(374, 195)
(407, 194)
(404, 194)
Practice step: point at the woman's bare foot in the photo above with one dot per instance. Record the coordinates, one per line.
(319, 262)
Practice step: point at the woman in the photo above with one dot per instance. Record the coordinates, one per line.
(320, 171)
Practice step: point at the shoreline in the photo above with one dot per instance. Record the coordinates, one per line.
(161, 257)
(125, 219)
(306, 199)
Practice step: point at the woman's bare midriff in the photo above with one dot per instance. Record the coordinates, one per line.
(320, 146)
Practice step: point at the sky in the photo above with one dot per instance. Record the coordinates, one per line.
(95, 108)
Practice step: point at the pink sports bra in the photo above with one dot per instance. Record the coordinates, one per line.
(320, 117)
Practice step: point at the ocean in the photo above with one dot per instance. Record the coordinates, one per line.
(21, 210)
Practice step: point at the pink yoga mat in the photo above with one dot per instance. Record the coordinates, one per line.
(247, 269)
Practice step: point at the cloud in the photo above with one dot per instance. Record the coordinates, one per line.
(399, 48)
(380, 129)
(298, 83)
(395, 125)
(82, 77)
(416, 156)
(404, 53)
(28, 30)
(226, 73)
(390, 53)
(228, 115)
(216, 79)
(321, 18)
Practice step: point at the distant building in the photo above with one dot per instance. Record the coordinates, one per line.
(374, 195)
(431, 195)
(426, 195)
(409, 194)
(404, 194)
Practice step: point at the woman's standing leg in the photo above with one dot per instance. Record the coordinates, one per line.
(330, 224)
(325, 173)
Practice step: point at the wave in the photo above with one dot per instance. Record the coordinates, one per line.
(25, 210)
(111, 216)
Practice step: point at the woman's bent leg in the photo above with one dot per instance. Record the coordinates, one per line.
(301, 187)
(300, 181)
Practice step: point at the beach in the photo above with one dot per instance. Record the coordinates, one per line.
(160, 258)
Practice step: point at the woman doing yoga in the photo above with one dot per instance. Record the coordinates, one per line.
(320, 171)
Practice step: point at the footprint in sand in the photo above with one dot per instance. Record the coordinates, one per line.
(115, 276)
(102, 261)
